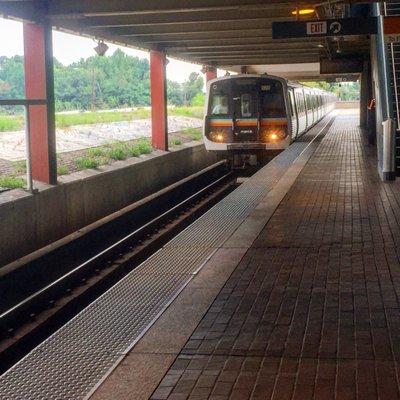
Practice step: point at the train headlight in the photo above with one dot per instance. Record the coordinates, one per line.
(272, 134)
(219, 136)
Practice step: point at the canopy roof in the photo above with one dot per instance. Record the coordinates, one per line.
(221, 33)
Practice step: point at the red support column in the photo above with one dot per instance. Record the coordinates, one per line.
(211, 73)
(158, 85)
(39, 84)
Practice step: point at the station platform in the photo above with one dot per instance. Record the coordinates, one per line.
(286, 289)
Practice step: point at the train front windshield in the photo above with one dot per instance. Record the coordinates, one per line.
(239, 109)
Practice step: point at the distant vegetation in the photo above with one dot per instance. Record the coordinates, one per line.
(346, 91)
(114, 81)
(16, 122)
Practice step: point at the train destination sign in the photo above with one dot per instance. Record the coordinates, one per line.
(328, 27)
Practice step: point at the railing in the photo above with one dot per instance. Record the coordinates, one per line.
(26, 104)
(394, 72)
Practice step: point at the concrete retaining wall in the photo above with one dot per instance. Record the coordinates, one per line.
(29, 222)
(347, 104)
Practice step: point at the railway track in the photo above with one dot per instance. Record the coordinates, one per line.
(42, 295)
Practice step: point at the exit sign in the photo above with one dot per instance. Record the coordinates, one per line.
(317, 28)
(328, 27)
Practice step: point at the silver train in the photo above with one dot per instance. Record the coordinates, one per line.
(256, 114)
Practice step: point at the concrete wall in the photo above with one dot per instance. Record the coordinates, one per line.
(347, 104)
(29, 222)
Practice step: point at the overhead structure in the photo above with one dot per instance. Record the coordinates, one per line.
(218, 33)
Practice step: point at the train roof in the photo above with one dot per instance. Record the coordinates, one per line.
(288, 82)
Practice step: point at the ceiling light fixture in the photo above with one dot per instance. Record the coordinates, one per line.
(303, 11)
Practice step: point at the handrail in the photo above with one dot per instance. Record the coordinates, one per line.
(396, 95)
(27, 103)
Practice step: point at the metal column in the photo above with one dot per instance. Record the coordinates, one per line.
(211, 73)
(39, 84)
(158, 100)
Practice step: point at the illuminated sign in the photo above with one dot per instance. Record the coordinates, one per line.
(328, 27)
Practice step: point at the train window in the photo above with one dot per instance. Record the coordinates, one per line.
(308, 102)
(273, 105)
(300, 102)
(219, 104)
(246, 105)
(292, 105)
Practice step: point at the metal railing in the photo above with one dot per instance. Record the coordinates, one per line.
(394, 70)
(26, 103)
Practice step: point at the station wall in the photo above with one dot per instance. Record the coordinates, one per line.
(30, 222)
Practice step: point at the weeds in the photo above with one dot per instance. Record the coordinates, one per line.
(62, 170)
(11, 182)
(193, 133)
(10, 123)
(19, 166)
(113, 151)
(176, 142)
(87, 162)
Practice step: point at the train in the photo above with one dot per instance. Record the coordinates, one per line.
(250, 116)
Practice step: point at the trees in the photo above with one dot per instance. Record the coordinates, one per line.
(113, 81)
(344, 91)
(192, 86)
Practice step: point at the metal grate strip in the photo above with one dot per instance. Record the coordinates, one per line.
(70, 363)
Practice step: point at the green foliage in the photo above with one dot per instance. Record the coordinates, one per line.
(11, 182)
(114, 81)
(198, 100)
(176, 142)
(346, 91)
(193, 133)
(192, 87)
(93, 117)
(8, 123)
(87, 162)
(19, 166)
(117, 150)
(144, 146)
(11, 77)
(62, 170)
(193, 112)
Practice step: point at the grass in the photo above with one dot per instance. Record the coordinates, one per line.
(176, 142)
(114, 151)
(193, 133)
(93, 117)
(193, 112)
(13, 123)
(19, 166)
(62, 170)
(87, 162)
(11, 182)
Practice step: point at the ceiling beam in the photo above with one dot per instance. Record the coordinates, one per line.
(260, 61)
(198, 27)
(180, 18)
(185, 36)
(75, 8)
(194, 28)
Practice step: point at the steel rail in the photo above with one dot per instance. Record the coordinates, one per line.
(50, 290)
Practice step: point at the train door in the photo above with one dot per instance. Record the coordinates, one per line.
(294, 115)
(245, 110)
(301, 111)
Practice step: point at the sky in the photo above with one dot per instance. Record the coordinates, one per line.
(69, 48)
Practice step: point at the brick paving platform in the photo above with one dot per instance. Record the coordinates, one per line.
(312, 310)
